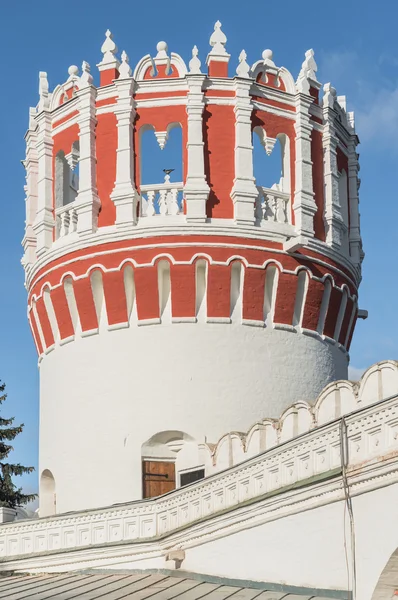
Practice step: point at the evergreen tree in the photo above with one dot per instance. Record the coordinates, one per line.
(10, 495)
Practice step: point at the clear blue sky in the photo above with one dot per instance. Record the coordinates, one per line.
(354, 43)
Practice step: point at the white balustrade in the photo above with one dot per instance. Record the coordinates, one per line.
(164, 199)
(372, 441)
(66, 218)
(272, 205)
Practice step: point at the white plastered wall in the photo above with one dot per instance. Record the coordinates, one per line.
(103, 396)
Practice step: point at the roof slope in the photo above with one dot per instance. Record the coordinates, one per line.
(142, 586)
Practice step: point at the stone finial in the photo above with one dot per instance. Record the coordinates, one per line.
(243, 69)
(124, 69)
(307, 75)
(73, 73)
(218, 39)
(108, 49)
(329, 96)
(44, 101)
(194, 63)
(351, 119)
(267, 59)
(86, 78)
(342, 100)
(162, 49)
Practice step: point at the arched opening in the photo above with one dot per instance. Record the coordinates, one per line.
(66, 188)
(164, 288)
(237, 274)
(170, 459)
(271, 285)
(47, 496)
(324, 306)
(161, 170)
(301, 292)
(271, 167)
(200, 290)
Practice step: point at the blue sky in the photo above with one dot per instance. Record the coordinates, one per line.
(354, 44)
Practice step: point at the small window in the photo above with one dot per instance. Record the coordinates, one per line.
(191, 476)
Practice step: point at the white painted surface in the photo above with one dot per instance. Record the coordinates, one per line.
(111, 392)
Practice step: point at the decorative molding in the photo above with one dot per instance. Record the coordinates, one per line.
(302, 473)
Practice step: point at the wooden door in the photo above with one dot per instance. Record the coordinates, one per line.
(158, 478)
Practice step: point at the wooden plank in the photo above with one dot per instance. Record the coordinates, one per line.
(116, 587)
(138, 593)
(180, 586)
(5, 582)
(223, 592)
(21, 592)
(199, 591)
(75, 585)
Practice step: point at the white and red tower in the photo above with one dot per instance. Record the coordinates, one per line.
(174, 312)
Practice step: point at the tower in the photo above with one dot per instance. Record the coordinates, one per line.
(165, 314)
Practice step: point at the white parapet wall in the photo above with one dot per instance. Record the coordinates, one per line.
(280, 516)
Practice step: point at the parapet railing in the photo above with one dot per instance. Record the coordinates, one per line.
(272, 206)
(164, 199)
(371, 432)
(66, 219)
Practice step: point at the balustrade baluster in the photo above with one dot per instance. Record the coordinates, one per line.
(73, 220)
(64, 223)
(150, 209)
(258, 209)
(163, 203)
(173, 208)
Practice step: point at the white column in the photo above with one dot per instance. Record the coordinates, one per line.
(333, 216)
(44, 222)
(196, 189)
(124, 194)
(244, 191)
(353, 186)
(32, 171)
(87, 201)
(304, 204)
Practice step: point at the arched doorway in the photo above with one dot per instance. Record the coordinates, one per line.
(170, 459)
(47, 496)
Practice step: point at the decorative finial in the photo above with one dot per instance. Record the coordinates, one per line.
(86, 78)
(329, 96)
(124, 69)
(267, 58)
(307, 75)
(243, 69)
(218, 39)
(73, 72)
(194, 63)
(44, 101)
(162, 48)
(108, 48)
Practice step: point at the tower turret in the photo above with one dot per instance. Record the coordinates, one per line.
(173, 311)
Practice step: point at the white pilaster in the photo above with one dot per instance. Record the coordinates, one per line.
(196, 189)
(304, 204)
(333, 217)
(44, 222)
(87, 201)
(32, 171)
(353, 186)
(124, 194)
(244, 191)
